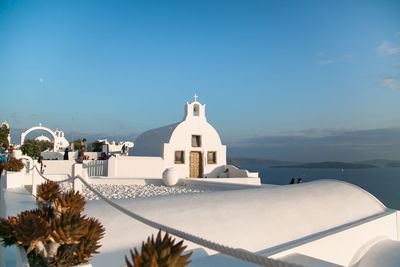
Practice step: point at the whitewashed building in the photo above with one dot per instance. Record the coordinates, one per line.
(60, 142)
(191, 147)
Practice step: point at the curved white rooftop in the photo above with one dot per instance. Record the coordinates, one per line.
(252, 219)
(384, 253)
(151, 142)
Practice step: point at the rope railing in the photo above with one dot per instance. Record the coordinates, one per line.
(59, 182)
(229, 251)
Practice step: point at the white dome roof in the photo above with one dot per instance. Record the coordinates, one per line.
(151, 143)
(42, 138)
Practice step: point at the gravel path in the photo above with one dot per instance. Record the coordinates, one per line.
(134, 191)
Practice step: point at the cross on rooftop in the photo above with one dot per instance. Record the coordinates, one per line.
(195, 97)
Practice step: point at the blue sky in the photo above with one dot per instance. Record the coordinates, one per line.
(263, 68)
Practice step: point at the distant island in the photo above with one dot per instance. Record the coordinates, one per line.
(374, 163)
(329, 164)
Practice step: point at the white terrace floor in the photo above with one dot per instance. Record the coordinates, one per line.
(323, 223)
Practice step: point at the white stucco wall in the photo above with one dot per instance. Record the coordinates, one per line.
(65, 167)
(58, 166)
(181, 140)
(252, 219)
(135, 167)
(342, 246)
(385, 253)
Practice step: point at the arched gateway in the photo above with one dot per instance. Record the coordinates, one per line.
(58, 136)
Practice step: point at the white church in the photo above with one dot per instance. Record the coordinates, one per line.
(191, 147)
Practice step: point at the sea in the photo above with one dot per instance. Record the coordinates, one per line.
(383, 183)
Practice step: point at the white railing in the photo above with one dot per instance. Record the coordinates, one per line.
(96, 167)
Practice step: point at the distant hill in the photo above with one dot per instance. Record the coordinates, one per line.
(330, 164)
(240, 161)
(381, 162)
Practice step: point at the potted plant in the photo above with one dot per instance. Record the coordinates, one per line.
(56, 233)
(14, 175)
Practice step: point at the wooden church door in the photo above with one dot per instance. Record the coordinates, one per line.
(196, 164)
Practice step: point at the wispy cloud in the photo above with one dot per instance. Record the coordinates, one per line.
(390, 82)
(320, 53)
(347, 55)
(385, 49)
(41, 80)
(326, 62)
(397, 34)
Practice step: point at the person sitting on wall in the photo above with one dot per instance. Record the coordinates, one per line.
(3, 158)
(10, 152)
(104, 156)
(299, 181)
(292, 181)
(83, 143)
(42, 166)
(81, 155)
(123, 149)
(66, 154)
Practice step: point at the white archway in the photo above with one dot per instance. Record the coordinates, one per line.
(41, 128)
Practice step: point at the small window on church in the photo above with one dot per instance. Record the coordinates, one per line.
(196, 141)
(196, 110)
(179, 157)
(211, 157)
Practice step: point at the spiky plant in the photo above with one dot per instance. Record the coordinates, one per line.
(69, 228)
(80, 253)
(47, 193)
(69, 202)
(33, 232)
(91, 242)
(14, 165)
(159, 253)
(66, 229)
(55, 234)
(65, 256)
(45, 212)
(7, 230)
